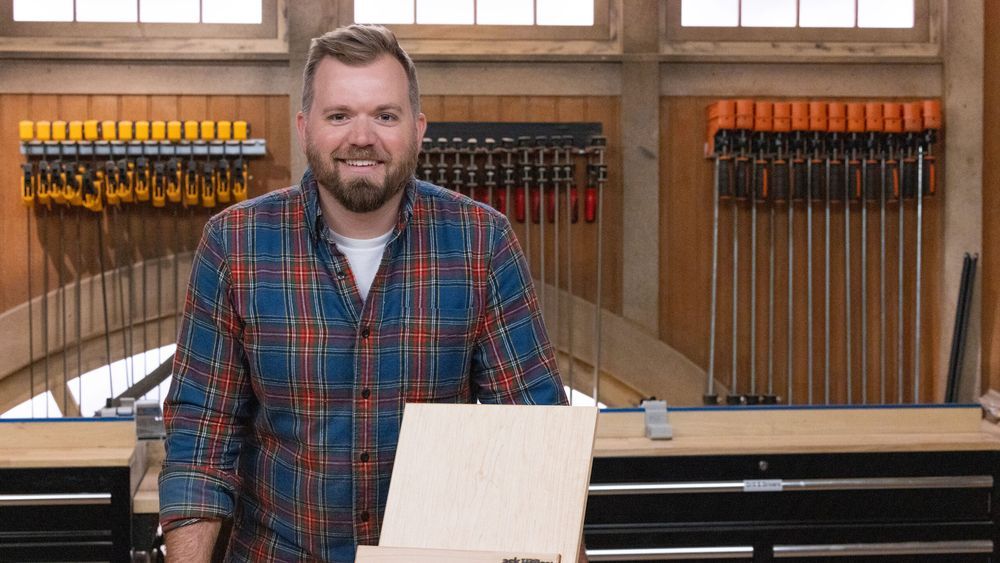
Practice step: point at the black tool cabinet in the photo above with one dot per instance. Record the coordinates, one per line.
(876, 506)
(65, 514)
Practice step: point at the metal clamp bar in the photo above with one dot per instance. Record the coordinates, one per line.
(668, 553)
(883, 549)
(778, 485)
(56, 499)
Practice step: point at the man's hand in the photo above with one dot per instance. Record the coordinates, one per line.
(192, 543)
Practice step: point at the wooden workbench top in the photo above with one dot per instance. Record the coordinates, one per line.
(779, 430)
(76, 443)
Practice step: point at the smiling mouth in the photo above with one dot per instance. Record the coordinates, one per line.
(360, 163)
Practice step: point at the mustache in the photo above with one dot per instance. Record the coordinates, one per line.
(360, 154)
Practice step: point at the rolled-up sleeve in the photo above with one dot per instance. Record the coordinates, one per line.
(207, 409)
(513, 360)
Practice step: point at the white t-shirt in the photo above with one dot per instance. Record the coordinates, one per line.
(364, 256)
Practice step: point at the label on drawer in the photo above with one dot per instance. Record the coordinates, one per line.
(762, 485)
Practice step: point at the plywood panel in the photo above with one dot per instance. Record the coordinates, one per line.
(536, 462)
(686, 232)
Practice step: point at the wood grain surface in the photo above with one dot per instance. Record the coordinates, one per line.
(495, 478)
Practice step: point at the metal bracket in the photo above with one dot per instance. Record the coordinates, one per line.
(656, 421)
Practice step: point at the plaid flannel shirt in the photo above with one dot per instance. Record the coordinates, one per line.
(288, 389)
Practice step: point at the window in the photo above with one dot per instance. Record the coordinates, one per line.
(217, 19)
(475, 12)
(800, 13)
(485, 19)
(145, 11)
(805, 21)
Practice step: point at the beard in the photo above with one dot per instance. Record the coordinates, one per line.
(362, 195)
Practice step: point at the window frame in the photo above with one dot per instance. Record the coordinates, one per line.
(268, 28)
(921, 42)
(601, 30)
(266, 41)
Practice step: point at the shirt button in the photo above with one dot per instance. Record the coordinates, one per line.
(341, 274)
(363, 516)
(365, 332)
(364, 456)
(365, 393)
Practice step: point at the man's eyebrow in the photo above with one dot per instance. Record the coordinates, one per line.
(385, 107)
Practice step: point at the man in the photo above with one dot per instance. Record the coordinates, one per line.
(315, 312)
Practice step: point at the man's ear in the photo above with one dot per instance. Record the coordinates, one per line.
(300, 128)
(421, 127)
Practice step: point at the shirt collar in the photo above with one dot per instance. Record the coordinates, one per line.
(313, 213)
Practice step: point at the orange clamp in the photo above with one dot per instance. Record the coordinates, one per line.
(763, 116)
(817, 116)
(873, 117)
(836, 121)
(782, 117)
(855, 117)
(744, 114)
(891, 117)
(932, 114)
(800, 116)
(913, 120)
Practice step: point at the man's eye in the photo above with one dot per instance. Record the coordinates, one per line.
(387, 117)
(337, 117)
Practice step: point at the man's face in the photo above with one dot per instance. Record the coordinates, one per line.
(361, 135)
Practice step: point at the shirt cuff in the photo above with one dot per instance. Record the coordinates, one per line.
(187, 493)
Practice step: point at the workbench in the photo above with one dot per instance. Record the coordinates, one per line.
(755, 483)
(763, 483)
(66, 489)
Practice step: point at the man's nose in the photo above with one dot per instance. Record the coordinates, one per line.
(361, 133)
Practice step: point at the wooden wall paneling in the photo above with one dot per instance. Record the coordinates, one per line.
(989, 267)
(13, 285)
(457, 108)
(432, 107)
(606, 109)
(279, 145)
(686, 231)
(486, 108)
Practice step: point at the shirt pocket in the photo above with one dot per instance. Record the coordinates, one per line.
(437, 353)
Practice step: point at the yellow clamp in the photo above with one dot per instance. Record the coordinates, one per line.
(90, 130)
(223, 181)
(125, 131)
(75, 130)
(240, 180)
(241, 130)
(207, 181)
(109, 132)
(140, 178)
(27, 185)
(191, 187)
(141, 130)
(159, 181)
(58, 130)
(126, 180)
(26, 130)
(174, 176)
(111, 182)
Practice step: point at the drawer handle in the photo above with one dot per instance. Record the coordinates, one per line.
(902, 548)
(55, 499)
(668, 553)
(773, 485)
